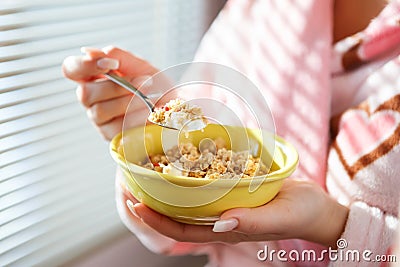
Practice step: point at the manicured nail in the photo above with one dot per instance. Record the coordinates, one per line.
(108, 63)
(225, 225)
(131, 207)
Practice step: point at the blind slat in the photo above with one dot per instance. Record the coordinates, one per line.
(34, 92)
(47, 31)
(54, 117)
(16, 5)
(53, 14)
(32, 163)
(43, 223)
(69, 125)
(31, 48)
(47, 172)
(48, 145)
(28, 79)
(49, 237)
(35, 148)
(36, 106)
(48, 196)
(106, 229)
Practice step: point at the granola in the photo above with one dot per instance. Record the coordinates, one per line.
(180, 115)
(211, 160)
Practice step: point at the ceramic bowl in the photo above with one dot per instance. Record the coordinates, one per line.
(201, 200)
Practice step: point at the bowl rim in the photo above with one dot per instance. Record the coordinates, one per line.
(291, 162)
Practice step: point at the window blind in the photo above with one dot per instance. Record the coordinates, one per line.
(56, 176)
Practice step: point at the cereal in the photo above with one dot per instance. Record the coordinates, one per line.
(214, 161)
(179, 114)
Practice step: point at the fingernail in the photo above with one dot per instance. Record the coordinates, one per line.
(225, 225)
(108, 63)
(131, 207)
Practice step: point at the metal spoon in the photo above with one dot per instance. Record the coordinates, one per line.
(125, 84)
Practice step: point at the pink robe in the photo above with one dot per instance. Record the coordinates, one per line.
(285, 48)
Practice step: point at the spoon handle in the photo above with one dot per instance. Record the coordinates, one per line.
(125, 84)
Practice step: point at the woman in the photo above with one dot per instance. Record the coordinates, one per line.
(338, 104)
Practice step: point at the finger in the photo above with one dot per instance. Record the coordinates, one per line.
(246, 220)
(92, 92)
(194, 233)
(133, 118)
(130, 65)
(98, 55)
(121, 189)
(147, 236)
(122, 195)
(105, 111)
(183, 232)
(85, 68)
(111, 129)
(178, 231)
(132, 222)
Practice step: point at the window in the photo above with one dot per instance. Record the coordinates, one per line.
(56, 176)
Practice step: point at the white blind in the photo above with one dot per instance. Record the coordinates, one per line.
(56, 177)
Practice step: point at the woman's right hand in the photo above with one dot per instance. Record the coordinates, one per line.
(106, 102)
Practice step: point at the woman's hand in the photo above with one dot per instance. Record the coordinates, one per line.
(300, 210)
(106, 102)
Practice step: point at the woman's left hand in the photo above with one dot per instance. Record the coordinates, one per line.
(302, 209)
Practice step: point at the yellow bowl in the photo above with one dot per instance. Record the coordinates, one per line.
(200, 200)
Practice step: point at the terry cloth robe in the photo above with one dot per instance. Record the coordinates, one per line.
(364, 156)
